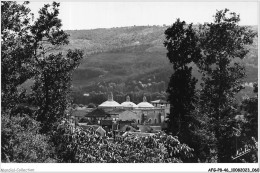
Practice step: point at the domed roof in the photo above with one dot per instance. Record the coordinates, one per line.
(145, 104)
(128, 103)
(109, 103)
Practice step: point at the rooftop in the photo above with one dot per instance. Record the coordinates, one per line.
(80, 112)
(159, 102)
(145, 104)
(139, 134)
(110, 103)
(97, 113)
(128, 103)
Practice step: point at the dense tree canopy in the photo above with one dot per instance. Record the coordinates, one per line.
(29, 54)
(222, 42)
(216, 49)
(181, 43)
(86, 146)
(250, 109)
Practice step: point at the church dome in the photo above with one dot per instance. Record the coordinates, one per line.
(128, 103)
(145, 104)
(110, 103)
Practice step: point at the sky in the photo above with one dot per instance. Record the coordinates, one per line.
(76, 15)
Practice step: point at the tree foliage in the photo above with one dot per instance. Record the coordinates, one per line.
(29, 53)
(246, 131)
(21, 141)
(249, 107)
(181, 43)
(85, 146)
(16, 52)
(210, 117)
(221, 43)
(52, 87)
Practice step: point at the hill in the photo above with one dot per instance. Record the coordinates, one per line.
(133, 57)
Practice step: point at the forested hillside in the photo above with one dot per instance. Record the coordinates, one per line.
(131, 59)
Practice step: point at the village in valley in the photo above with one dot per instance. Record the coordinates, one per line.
(118, 120)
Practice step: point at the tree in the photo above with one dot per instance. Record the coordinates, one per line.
(181, 43)
(52, 88)
(54, 70)
(21, 142)
(248, 127)
(221, 43)
(16, 68)
(250, 108)
(34, 56)
(91, 105)
(16, 52)
(29, 53)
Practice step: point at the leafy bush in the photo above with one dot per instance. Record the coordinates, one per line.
(85, 146)
(21, 141)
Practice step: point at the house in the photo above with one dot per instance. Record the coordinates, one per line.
(145, 128)
(79, 112)
(114, 114)
(97, 115)
(156, 128)
(139, 134)
(122, 123)
(162, 104)
(130, 116)
(149, 128)
(127, 128)
(107, 125)
(101, 131)
(98, 129)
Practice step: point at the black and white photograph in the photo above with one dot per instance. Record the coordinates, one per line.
(86, 85)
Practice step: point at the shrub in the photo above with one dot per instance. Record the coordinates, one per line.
(21, 141)
(73, 144)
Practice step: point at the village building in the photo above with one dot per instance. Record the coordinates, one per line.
(144, 104)
(96, 128)
(79, 112)
(110, 104)
(114, 114)
(139, 134)
(150, 114)
(122, 123)
(111, 115)
(107, 125)
(131, 116)
(162, 104)
(127, 128)
(97, 115)
(128, 105)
